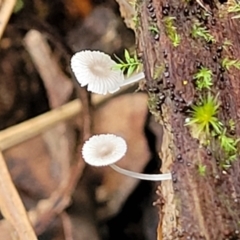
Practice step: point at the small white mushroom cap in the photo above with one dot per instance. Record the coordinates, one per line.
(97, 70)
(103, 149)
(106, 149)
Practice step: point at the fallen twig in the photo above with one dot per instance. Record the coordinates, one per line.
(6, 9)
(11, 205)
(26, 130)
(67, 226)
(31, 128)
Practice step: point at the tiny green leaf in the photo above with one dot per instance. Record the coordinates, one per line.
(228, 144)
(130, 64)
(126, 55)
(130, 70)
(203, 78)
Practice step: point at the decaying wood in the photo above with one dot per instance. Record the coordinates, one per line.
(192, 206)
(12, 207)
(6, 8)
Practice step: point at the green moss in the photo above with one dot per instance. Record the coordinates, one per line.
(204, 122)
(136, 20)
(158, 71)
(227, 63)
(203, 78)
(201, 169)
(130, 64)
(133, 3)
(234, 8)
(154, 29)
(229, 146)
(227, 43)
(199, 31)
(171, 31)
(203, 116)
(232, 125)
(152, 103)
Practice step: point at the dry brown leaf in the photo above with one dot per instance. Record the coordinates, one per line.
(30, 168)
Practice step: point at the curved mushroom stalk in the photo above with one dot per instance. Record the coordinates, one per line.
(106, 149)
(135, 78)
(142, 176)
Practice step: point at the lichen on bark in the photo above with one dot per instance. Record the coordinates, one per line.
(193, 206)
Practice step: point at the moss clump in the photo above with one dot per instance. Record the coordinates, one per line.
(204, 116)
(227, 63)
(203, 78)
(130, 64)
(234, 8)
(199, 31)
(171, 31)
(202, 169)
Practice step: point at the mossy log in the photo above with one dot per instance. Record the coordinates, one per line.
(203, 199)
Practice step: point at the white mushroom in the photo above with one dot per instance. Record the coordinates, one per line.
(97, 70)
(106, 149)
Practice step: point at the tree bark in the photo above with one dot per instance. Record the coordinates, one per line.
(192, 205)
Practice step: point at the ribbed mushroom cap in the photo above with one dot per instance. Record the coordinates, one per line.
(103, 149)
(97, 70)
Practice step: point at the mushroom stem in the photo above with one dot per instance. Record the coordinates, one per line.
(135, 78)
(142, 176)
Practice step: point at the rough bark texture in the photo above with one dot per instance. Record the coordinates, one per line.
(192, 206)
